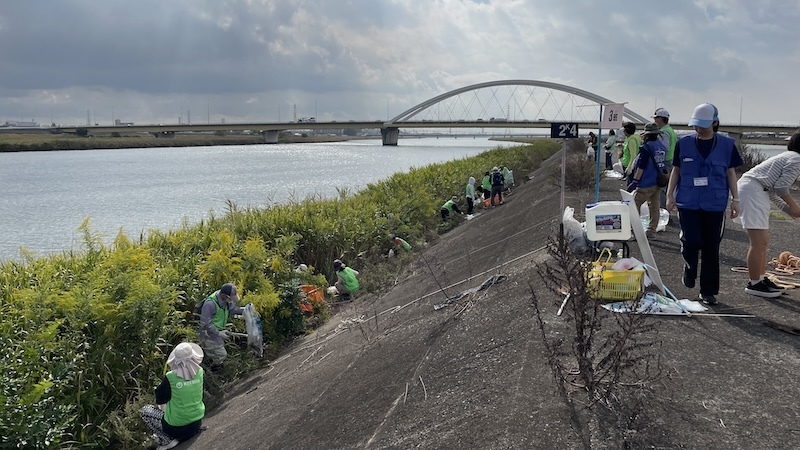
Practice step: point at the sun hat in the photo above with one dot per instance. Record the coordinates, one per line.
(495, 169)
(229, 289)
(651, 128)
(454, 198)
(661, 112)
(185, 360)
(704, 116)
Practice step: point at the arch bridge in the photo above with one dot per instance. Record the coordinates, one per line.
(503, 104)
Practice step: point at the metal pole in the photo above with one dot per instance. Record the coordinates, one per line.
(597, 158)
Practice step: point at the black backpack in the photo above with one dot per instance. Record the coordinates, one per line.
(497, 178)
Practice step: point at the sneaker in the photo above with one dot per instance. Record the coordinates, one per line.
(688, 277)
(168, 445)
(761, 289)
(708, 299)
(770, 284)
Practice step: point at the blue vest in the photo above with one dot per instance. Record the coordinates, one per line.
(714, 196)
(654, 165)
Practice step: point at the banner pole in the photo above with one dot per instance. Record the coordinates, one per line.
(597, 157)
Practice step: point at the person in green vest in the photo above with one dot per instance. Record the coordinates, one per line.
(470, 194)
(213, 316)
(630, 148)
(179, 409)
(486, 185)
(668, 136)
(449, 207)
(346, 280)
(401, 243)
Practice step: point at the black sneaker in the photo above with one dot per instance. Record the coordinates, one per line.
(770, 284)
(688, 277)
(708, 299)
(761, 289)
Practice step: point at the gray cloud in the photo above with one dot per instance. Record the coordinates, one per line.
(152, 60)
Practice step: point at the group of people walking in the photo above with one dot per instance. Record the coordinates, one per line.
(698, 172)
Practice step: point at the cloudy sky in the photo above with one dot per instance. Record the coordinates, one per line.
(151, 61)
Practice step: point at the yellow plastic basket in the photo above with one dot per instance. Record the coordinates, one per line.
(608, 284)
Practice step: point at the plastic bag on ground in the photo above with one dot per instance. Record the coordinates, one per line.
(663, 217)
(255, 337)
(573, 232)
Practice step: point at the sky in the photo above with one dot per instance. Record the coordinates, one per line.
(165, 61)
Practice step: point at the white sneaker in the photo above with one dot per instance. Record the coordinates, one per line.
(168, 445)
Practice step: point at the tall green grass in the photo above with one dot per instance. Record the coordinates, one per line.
(84, 335)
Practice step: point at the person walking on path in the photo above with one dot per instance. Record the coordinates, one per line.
(497, 186)
(769, 181)
(649, 162)
(450, 207)
(630, 147)
(346, 280)
(179, 409)
(213, 317)
(470, 195)
(611, 142)
(591, 141)
(702, 178)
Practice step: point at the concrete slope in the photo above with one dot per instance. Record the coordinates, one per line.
(390, 372)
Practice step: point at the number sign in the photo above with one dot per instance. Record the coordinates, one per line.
(612, 115)
(564, 130)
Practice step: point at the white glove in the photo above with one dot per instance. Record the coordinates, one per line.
(225, 334)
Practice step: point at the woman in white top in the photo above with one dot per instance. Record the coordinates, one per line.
(769, 182)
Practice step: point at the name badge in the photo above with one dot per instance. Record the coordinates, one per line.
(701, 181)
(687, 159)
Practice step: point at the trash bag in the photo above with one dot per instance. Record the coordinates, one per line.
(573, 232)
(255, 337)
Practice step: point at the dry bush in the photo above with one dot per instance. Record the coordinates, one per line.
(580, 172)
(750, 155)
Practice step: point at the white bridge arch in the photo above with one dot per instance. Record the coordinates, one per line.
(405, 115)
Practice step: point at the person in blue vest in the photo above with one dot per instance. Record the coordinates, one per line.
(179, 409)
(649, 161)
(702, 181)
(213, 317)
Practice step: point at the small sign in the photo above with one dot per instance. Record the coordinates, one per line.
(564, 130)
(612, 115)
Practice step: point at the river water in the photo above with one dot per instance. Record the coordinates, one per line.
(44, 196)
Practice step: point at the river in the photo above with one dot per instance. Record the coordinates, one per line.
(44, 196)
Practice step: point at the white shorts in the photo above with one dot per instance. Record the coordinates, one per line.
(754, 205)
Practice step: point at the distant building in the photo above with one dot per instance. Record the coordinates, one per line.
(120, 123)
(14, 123)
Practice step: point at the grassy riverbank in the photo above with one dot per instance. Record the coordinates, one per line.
(85, 334)
(29, 142)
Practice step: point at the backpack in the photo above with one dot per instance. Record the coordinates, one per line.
(497, 179)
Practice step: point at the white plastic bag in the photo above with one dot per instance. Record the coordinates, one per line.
(573, 232)
(255, 337)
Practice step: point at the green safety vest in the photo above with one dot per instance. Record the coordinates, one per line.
(486, 183)
(186, 403)
(220, 317)
(448, 205)
(673, 141)
(350, 280)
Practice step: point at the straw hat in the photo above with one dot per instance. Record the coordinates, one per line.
(185, 360)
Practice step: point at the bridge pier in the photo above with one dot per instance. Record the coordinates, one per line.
(270, 136)
(390, 135)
